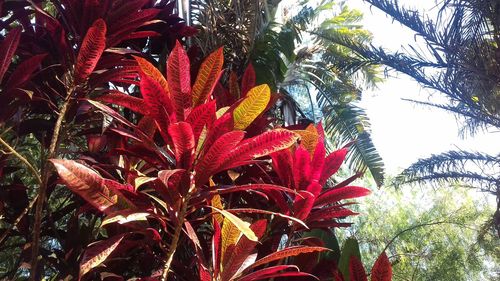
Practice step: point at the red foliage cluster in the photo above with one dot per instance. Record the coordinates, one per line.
(176, 179)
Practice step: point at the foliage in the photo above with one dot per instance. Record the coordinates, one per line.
(429, 236)
(460, 61)
(143, 166)
(316, 77)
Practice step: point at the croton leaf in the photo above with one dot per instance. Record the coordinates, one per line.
(97, 253)
(127, 101)
(183, 140)
(208, 75)
(234, 88)
(158, 103)
(288, 252)
(8, 48)
(336, 194)
(356, 270)
(230, 235)
(276, 271)
(153, 73)
(261, 145)
(179, 79)
(90, 186)
(382, 269)
(243, 226)
(332, 164)
(248, 79)
(202, 116)
(93, 46)
(251, 107)
(237, 255)
(209, 163)
(24, 70)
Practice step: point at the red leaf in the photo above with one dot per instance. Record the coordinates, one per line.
(200, 117)
(93, 46)
(282, 165)
(126, 25)
(183, 140)
(209, 163)
(141, 34)
(332, 165)
(127, 101)
(266, 273)
(301, 168)
(248, 80)
(238, 254)
(179, 79)
(261, 145)
(356, 269)
(331, 213)
(302, 206)
(222, 125)
(261, 274)
(8, 48)
(252, 187)
(208, 75)
(382, 269)
(234, 89)
(90, 186)
(97, 253)
(318, 161)
(334, 195)
(288, 252)
(23, 71)
(158, 103)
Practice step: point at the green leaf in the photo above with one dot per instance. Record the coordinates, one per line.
(350, 248)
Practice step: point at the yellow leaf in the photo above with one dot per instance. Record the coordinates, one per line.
(142, 180)
(308, 139)
(252, 106)
(217, 203)
(242, 226)
(221, 111)
(230, 235)
(123, 217)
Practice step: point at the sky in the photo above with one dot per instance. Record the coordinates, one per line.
(402, 131)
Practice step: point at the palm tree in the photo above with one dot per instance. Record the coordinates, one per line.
(462, 62)
(287, 52)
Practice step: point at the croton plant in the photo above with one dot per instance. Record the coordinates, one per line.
(181, 178)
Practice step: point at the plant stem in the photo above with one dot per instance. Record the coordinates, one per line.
(54, 144)
(22, 159)
(175, 238)
(18, 219)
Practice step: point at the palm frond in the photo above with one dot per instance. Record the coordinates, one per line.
(474, 169)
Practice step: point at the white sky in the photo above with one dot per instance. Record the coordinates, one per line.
(402, 131)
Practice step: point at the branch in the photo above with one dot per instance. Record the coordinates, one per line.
(54, 144)
(22, 159)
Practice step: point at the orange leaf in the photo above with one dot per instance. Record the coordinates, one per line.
(288, 252)
(208, 76)
(153, 72)
(98, 253)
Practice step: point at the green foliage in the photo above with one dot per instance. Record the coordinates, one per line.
(429, 235)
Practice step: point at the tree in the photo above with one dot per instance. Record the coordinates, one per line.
(286, 52)
(429, 236)
(461, 62)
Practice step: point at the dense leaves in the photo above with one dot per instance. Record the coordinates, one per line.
(138, 172)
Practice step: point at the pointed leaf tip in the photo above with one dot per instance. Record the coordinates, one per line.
(93, 45)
